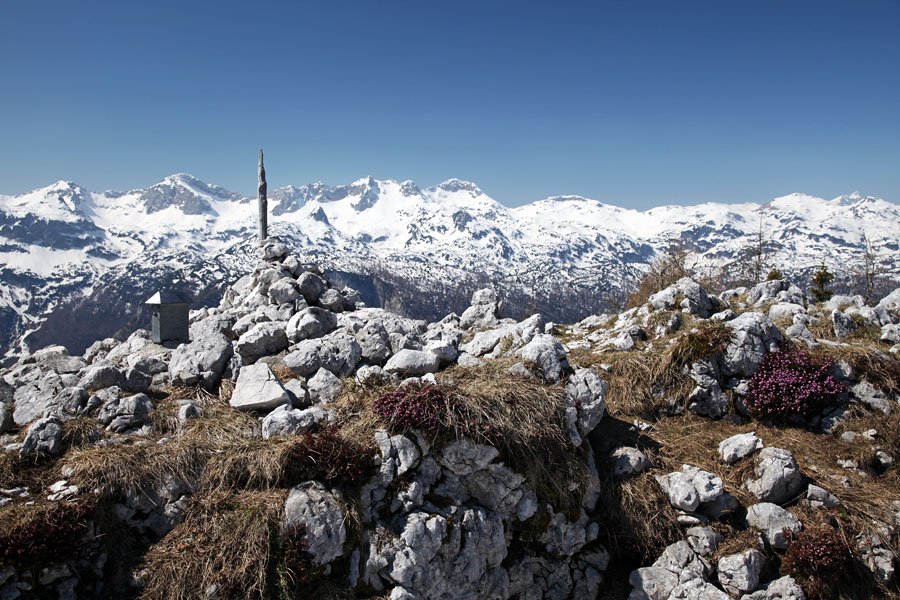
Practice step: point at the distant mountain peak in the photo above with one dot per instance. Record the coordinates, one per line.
(458, 185)
(569, 198)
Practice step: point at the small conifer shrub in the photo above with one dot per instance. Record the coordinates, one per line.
(820, 279)
(791, 382)
(774, 275)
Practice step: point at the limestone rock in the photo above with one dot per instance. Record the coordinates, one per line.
(628, 462)
(71, 401)
(272, 249)
(685, 294)
(284, 290)
(738, 446)
(413, 363)
(690, 487)
(131, 413)
(546, 352)
(461, 558)
(99, 377)
(34, 394)
(872, 397)
(263, 339)
(201, 360)
(778, 476)
(287, 421)
(258, 389)
(800, 332)
(332, 300)
(320, 513)
(876, 555)
(215, 324)
(44, 436)
(697, 589)
(312, 322)
(99, 349)
(324, 387)
(772, 520)
(754, 336)
(876, 316)
(57, 359)
(310, 286)
(6, 417)
(586, 391)
(338, 352)
(785, 310)
(483, 312)
(843, 324)
(652, 583)
(680, 558)
(374, 343)
(704, 540)
(777, 290)
(784, 588)
(371, 375)
(891, 301)
(818, 496)
(135, 381)
(890, 334)
(708, 401)
(563, 537)
(739, 573)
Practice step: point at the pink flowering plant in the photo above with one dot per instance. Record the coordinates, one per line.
(791, 382)
(422, 407)
(816, 559)
(435, 409)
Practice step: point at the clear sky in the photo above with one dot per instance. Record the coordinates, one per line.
(636, 103)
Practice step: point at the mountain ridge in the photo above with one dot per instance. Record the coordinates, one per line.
(567, 255)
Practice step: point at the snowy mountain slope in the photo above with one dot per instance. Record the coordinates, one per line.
(76, 264)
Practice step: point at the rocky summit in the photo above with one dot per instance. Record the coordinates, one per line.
(696, 446)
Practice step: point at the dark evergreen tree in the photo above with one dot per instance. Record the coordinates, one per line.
(820, 279)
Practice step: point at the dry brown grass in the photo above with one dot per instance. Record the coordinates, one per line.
(225, 541)
(283, 373)
(527, 424)
(38, 471)
(863, 334)
(641, 383)
(636, 521)
(633, 386)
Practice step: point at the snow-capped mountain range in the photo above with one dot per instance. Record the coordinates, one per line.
(77, 265)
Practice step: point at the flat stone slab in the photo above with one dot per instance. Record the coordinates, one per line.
(258, 389)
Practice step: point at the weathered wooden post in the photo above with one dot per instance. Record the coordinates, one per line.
(263, 205)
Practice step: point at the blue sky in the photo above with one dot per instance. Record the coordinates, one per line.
(636, 103)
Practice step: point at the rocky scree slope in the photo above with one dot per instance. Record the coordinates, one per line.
(299, 442)
(769, 424)
(75, 256)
